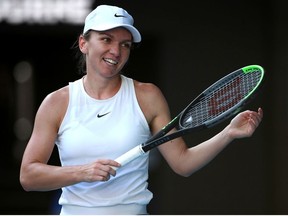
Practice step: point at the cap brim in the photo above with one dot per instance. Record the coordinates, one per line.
(135, 33)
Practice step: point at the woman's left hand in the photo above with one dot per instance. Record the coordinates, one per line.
(245, 123)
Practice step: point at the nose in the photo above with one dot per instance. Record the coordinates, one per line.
(115, 50)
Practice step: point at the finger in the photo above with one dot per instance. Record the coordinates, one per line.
(106, 178)
(260, 112)
(109, 162)
(102, 175)
(259, 115)
(255, 119)
(111, 167)
(110, 171)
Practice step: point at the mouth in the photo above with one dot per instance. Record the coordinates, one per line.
(110, 61)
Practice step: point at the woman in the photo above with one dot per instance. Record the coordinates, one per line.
(101, 116)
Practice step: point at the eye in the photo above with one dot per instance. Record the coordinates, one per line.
(106, 39)
(127, 45)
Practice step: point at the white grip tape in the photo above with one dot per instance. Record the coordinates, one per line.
(129, 156)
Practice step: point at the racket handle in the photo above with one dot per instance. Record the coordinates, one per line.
(129, 156)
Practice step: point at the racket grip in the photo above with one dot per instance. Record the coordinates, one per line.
(129, 156)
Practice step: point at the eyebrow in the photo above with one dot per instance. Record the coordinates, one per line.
(112, 36)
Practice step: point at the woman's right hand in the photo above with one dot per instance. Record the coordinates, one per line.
(100, 170)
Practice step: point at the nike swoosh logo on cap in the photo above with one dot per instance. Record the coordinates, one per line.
(100, 116)
(118, 15)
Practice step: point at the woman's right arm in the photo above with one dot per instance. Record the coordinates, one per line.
(35, 173)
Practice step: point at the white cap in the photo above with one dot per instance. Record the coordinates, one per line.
(106, 17)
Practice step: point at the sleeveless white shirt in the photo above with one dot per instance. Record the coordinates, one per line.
(104, 129)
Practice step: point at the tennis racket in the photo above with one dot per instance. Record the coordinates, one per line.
(221, 100)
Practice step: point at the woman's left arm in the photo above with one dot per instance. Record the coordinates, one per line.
(185, 161)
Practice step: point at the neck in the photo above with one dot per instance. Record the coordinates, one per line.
(101, 88)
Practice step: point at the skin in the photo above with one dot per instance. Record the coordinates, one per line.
(106, 54)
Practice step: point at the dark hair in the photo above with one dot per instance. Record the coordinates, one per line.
(79, 56)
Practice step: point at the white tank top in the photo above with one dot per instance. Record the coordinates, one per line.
(104, 129)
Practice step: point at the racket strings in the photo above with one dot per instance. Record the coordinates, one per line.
(221, 98)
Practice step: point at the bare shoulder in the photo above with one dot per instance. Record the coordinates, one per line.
(57, 97)
(54, 105)
(151, 100)
(147, 92)
(148, 89)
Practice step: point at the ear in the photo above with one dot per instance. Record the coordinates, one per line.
(82, 44)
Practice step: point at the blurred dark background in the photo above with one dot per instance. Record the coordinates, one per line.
(185, 48)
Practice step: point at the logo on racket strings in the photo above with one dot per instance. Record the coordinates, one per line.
(225, 98)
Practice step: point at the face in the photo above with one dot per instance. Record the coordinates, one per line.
(106, 52)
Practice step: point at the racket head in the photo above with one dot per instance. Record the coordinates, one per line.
(224, 98)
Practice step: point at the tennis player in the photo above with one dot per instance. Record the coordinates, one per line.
(104, 114)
